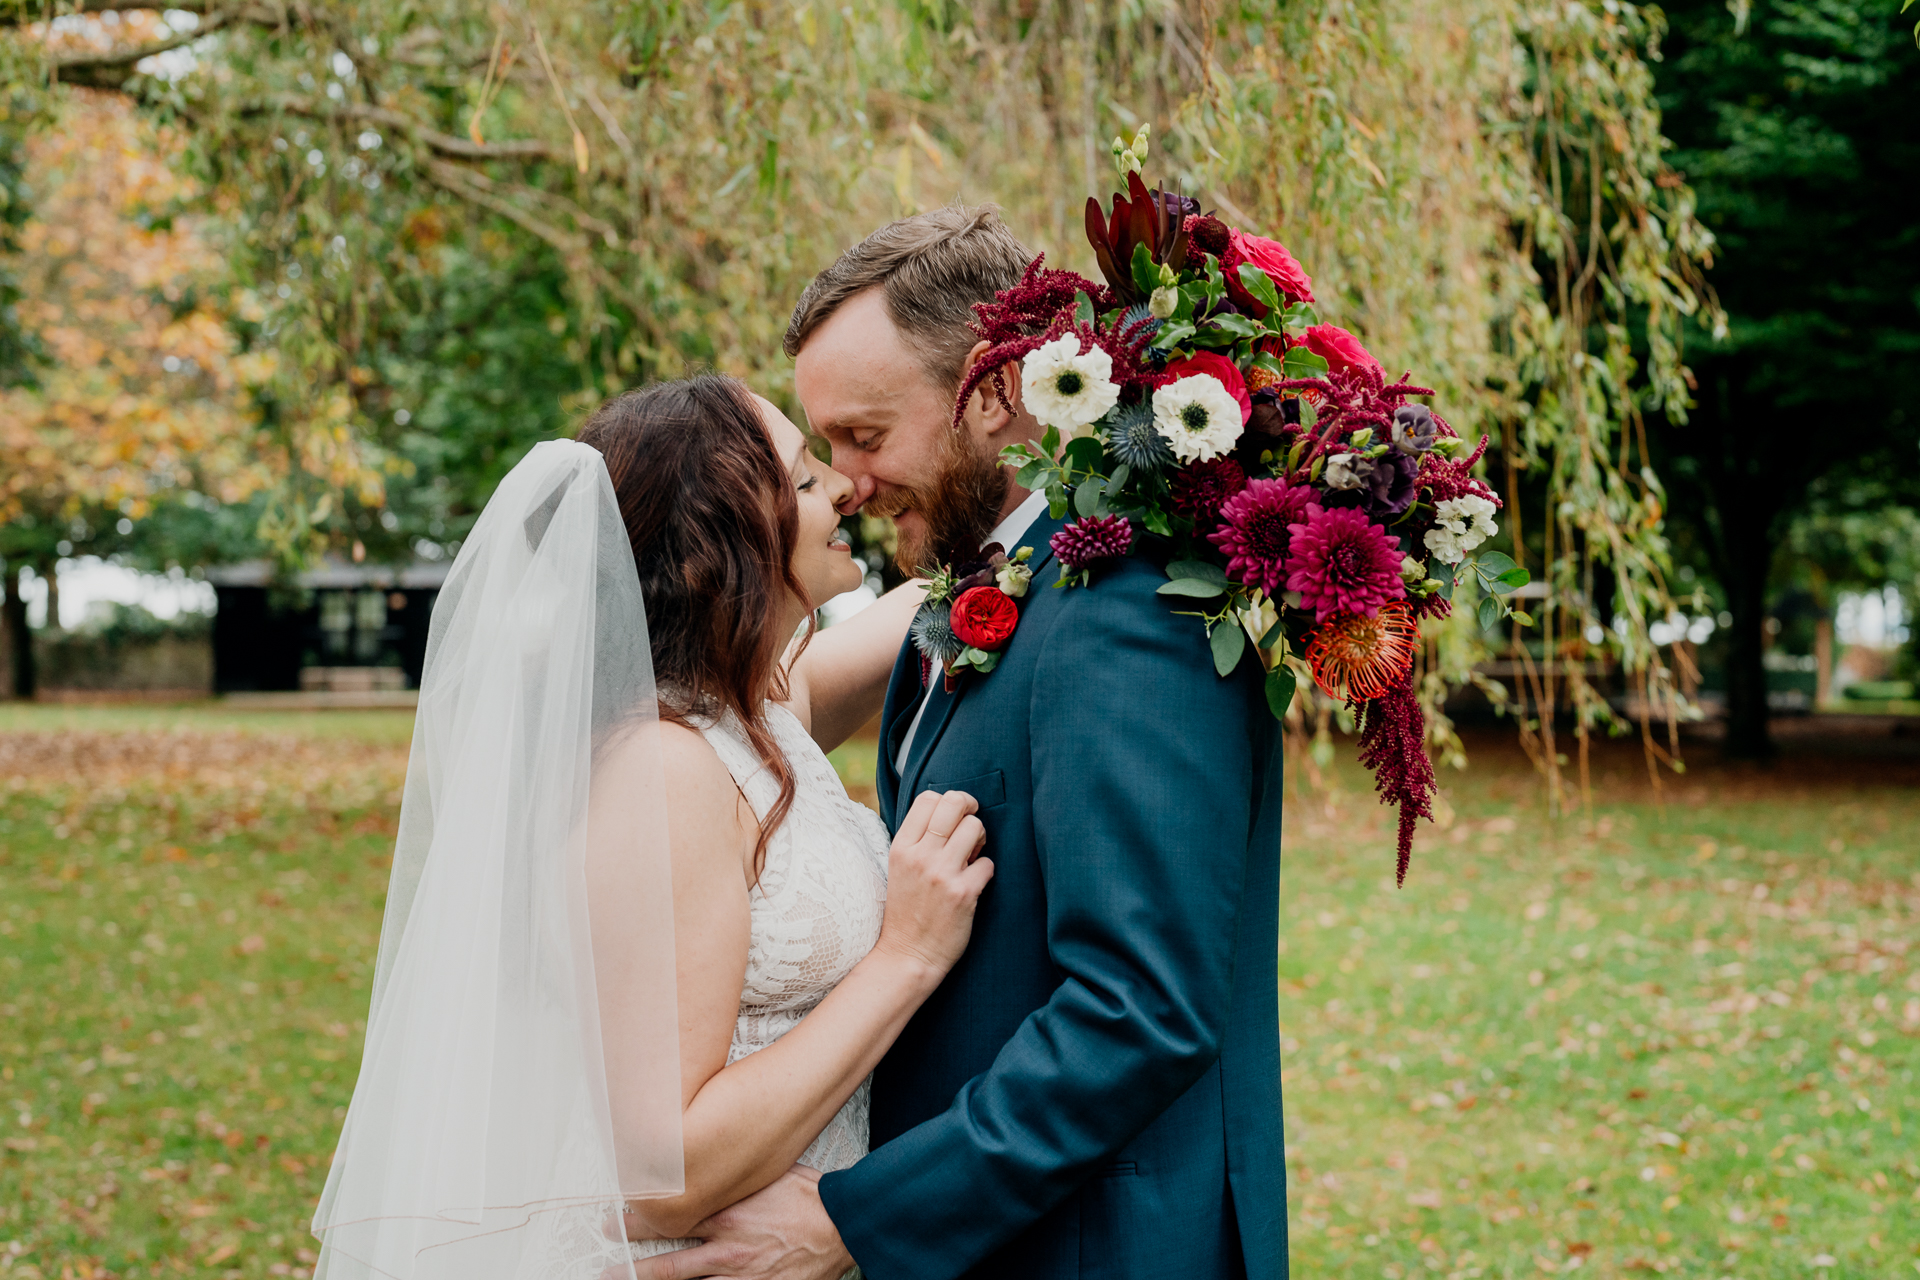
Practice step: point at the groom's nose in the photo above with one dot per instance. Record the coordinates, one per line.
(862, 492)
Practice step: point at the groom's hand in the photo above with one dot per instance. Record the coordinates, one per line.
(781, 1232)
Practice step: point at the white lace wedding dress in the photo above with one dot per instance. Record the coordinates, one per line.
(816, 910)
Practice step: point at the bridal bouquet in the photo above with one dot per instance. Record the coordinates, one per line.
(1311, 511)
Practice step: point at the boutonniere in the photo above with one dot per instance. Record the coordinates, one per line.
(970, 613)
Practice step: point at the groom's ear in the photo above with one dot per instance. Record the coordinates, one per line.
(995, 416)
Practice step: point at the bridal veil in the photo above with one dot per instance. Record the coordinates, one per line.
(521, 1075)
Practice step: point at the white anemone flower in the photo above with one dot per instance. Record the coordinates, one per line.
(1198, 417)
(1065, 388)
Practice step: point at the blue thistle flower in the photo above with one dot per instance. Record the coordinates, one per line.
(1133, 439)
(1135, 314)
(933, 634)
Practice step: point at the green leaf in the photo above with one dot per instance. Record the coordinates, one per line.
(984, 662)
(1280, 683)
(1270, 362)
(1489, 612)
(1027, 475)
(1523, 618)
(1237, 327)
(1273, 633)
(1309, 416)
(1156, 522)
(1500, 586)
(1260, 285)
(1172, 334)
(1146, 275)
(1082, 309)
(1086, 498)
(1056, 499)
(1203, 570)
(1084, 454)
(1446, 586)
(1302, 315)
(1050, 442)
(1229, 645)
(1492, 564)
(1118, 480)
(1193, 588)
(1302, 363)
(1516, 577)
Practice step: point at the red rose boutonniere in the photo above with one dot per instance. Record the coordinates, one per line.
(968, 618)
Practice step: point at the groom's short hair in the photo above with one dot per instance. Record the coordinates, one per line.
(932, 267)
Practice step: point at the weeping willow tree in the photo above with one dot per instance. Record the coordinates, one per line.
(1476, 184)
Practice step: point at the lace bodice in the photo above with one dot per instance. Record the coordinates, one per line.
(816, 909)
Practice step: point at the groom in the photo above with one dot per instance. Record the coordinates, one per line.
(1095, 1090)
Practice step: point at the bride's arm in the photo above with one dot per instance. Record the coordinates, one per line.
(745, 1124)
(839, 680)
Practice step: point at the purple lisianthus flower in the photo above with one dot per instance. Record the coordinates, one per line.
(1341, 562)
(1256, 530)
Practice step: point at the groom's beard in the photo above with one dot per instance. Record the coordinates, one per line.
(960, 507)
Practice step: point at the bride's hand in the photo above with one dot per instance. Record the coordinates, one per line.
(934, 878)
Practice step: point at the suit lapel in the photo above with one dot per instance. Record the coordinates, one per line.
(940, 703)
(903, 696)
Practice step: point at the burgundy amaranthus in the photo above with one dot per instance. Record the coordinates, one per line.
(1393, 746)
(1036, 311)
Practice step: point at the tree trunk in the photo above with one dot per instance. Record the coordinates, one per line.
(1748, 560)
(1822, 661)
(13, 609)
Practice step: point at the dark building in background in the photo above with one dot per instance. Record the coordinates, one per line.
(337, 623)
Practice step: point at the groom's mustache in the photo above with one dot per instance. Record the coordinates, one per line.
(892, 502)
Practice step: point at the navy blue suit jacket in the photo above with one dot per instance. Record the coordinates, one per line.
(1094, 1091)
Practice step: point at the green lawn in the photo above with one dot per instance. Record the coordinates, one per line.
(1675, 1040)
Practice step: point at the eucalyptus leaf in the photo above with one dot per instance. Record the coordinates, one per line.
(1193, 588)
(1229, 644)
(1492, 564)
(1027, 475)
(1446, 586)
(1489, 612)
(1516, 577)
(1204, 570)
(1118, 480)
(1086, 498)
(1280, 686)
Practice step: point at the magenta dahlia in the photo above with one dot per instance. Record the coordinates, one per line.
(1091, 539)
(1256, 531)
(1200, 489)
(1341, 562)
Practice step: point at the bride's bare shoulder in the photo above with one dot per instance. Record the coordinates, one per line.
(701, 791)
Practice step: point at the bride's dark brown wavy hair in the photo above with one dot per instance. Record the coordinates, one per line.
(711, 515)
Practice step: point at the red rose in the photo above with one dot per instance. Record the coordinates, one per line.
(983, 617)
(1340, 349)
(1271, 257)
(1215, 366)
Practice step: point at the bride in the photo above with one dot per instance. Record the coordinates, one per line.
(641, 950)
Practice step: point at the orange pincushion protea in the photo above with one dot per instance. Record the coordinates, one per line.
(1356, 657)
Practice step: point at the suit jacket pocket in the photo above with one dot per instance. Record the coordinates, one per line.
(990, 789)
